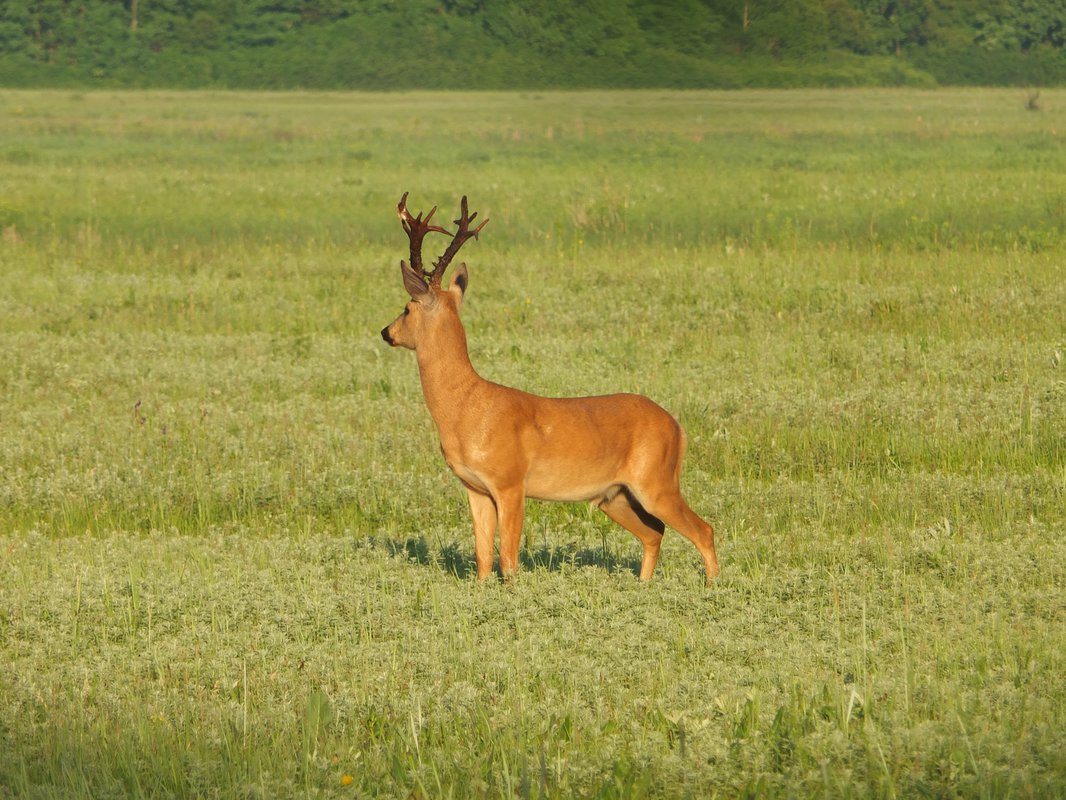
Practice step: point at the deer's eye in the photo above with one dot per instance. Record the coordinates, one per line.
(406, 311)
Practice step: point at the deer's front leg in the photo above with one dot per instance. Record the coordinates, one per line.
(483, 510)
(511, 507)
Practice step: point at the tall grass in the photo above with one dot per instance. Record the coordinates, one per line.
(233, 563)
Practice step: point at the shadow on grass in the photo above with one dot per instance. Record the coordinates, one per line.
(450, 558)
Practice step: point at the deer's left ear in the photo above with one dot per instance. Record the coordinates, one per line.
(415, 284)
(460, 280)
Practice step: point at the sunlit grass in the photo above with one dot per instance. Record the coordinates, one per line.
(232, 560)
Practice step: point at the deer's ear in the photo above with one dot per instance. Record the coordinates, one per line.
(414, 283)
(460, 280)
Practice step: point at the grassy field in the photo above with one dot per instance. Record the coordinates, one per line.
(233, 563)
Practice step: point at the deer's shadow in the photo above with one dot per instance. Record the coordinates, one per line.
(450, 558)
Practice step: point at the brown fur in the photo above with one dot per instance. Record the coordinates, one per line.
(621, 452)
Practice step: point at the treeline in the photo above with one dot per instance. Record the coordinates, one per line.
(528, 44)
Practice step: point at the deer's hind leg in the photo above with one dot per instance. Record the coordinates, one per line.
(672, 509)
(657, 487)
(627, 511)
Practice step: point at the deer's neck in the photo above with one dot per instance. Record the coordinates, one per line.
(447, 375)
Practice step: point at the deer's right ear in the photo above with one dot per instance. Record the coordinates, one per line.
(414, 283)
(460, 280)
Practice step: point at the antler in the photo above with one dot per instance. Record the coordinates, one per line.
(458, 240)
(416, 229)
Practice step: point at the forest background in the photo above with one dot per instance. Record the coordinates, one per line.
(529, 44)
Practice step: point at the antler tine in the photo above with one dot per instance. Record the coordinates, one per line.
(457, 241)
(416, 229)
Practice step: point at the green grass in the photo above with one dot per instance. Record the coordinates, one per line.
(233, 563)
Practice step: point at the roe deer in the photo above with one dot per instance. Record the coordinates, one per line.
(621, 452)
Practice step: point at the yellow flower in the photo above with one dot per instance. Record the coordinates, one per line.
(346, 780)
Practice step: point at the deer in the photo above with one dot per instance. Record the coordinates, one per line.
(620, 452)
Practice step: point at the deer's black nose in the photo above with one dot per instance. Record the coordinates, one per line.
(385, 336)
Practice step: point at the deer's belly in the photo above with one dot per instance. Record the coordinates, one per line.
(567, 483)
(543, 481)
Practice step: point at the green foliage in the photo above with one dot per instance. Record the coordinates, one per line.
(505, 44)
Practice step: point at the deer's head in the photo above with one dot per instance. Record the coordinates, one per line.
(431, 306)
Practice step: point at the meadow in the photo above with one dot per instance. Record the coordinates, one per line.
(233, 563)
